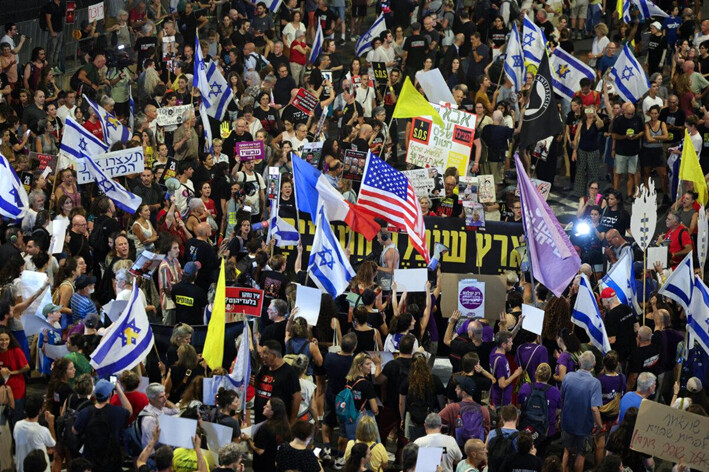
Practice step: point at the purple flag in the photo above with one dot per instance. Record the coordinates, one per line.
(554, 260)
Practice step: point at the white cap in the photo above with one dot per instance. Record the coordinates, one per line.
(657, 25)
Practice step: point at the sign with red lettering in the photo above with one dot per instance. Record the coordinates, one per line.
(45, 160)
(305, 101)
(240, 300)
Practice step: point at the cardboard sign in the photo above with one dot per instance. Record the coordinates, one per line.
(656, 254)
(543, 187)
(380, 72)
(671, 434)
(474, 214)
(495, 293)
(248, 301)
(45, 160)
(533, 319)
(486, 189)
(248, 150)
(114, 164)
(355, 161)
(471, 298)
(410, 280)
(169, 172)
(96, 12)
(274, 184)
(424, 182)
(168, 116)
(308, 299)
(468, 189)
(305, 101)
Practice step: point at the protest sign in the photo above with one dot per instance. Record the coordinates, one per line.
(114, 164)
(468, 189)
(355, 161)
(45, 160)
(423, 183)
(55, 351)
(431, 145)
(31, 283)
(170, 171)
(533, 319)
(168, 116)
(312, 153)
(96, 12)
(274, 183)
(486, 189)
(471, 298)
(34, 324)
(672, 434)
(146, 264)
(380, 72)
(58, 232)
(543, 187)
(435, 86)
(26, 179)
(176, 431)
(248, 150)
(656, 254)
(474, 214)
(305, 101)
(308, 299)
(248, 301)
(411, 280)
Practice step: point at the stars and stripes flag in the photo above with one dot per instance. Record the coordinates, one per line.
(386, 193)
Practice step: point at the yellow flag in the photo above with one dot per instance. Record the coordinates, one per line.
(691, 171)
(619, 8)
(213, 351)
(412, 104)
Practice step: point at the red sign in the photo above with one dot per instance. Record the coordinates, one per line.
(45, 160)
(462, 136)
(305, 101)
(240, 300)
(70, 11)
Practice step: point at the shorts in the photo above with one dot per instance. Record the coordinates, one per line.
(625, 164)
(359, 11)
(579, 10)
(653, 158)
(260, 41)
(576, 444)
(340, 12)
(330, 417)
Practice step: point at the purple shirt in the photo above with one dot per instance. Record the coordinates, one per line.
(500, 368)
(530, 355)
(488, 331)
(567, 361)
(432, 326)
(611, 385)
(553, 401)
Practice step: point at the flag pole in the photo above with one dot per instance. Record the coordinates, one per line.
(644, 283)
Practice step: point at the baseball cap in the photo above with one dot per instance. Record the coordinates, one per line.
(656, 25)
(84, 281)
(191, 268)
(103, 390)
(50, 308)
(466, 384)
(694, 385)
(607, 293)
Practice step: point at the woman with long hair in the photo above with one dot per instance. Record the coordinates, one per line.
(67, 186)
(586, 149)
(360, 455)
(567, 360)
(359, 379)
(192, 395)
(181, 334)
(424, 388)
(205, 194)
(613, 388)
(14, 365)
(45, 142)
(619, 443)
(269, 116)
(65, 205)
(592, 197)
(242, 234)
(142, 229)
(274, 432)
(454, 73)
(48, 86)
(367, 433)
(368, 338)
(298, 342)
(181, 373)
(58, 391)
(73, 267)
(169, 273)
(290, 30)
(228, 406)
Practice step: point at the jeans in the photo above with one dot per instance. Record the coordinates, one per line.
(55, 46)
(593, 18)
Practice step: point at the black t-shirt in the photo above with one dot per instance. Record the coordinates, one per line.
(647, 358)
(336, 367)
(268, 440)
(448, 206)
(282, 89)
(618, 219)
(417, 48)
(620, 322)
(274, 285)
(204, 253)
(327, 18)
(482, 384)
(572, 121)
(276, 332)
(656, 46)
(61, 393)
(349, 110)
(521, 463)
(627, 127)
(290, 458)
(496, 137)
(282, 383)
(142, 47)
(190, 301)
(269, 119)
(396, 372)
(362, 391)
(294, 115)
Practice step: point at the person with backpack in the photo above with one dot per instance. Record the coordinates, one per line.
(419, 394)
(541, 405)
(466, 419)
(501, 391)
(434, 438)
(567, 360)
(525, 458)
(530, 354)
(298, 341)
(77, 401)
(613, 387)
(502, 441)
(101, 426)
(358, 398)
(336, 365)
(147, 419)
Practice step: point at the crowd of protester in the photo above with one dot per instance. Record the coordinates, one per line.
(514, 400)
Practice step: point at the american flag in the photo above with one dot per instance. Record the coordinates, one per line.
(386, 193)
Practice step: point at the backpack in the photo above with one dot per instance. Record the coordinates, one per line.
(535, 415)
(499, 449)
(101, 446)
(419, 407)
(344, 404)
(64, 423)
(98, 239)
(469, 423)
(134, 434)
(515, 10)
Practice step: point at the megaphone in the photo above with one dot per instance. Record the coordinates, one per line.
(172, 185)
(438, 251)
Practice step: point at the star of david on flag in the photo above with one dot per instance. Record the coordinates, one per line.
(328, 266)
(14, 201)
(514, 64)
(534, 42)
(628, 76)
(364, 44)
(567, 72)
(113, 130)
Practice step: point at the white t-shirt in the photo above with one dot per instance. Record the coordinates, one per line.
(30, 435)
(289, 32)
(307, 390)
(649, 102)
(451, 451)
(382, 54)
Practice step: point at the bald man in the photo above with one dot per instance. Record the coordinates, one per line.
(361, 143)
(200, 249)
(697, 82)
(617, 247)
(79, 240)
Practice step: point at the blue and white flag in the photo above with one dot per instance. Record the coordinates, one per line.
(621, 278)
(317, 44)
(680, 284)
(219, 94)
(364, 43)
(515, 69)
(647, 9)
(238, 380)
(329, 266)
(199, 79)
(13, 196)
(207, 129)
(113, 130)
(629, 77)
(587, 316)
(698, 319)
(78, 142)
(131, 104)
(123, 199)
(127, 341)
(533, 42)
(567, 72)
(273, 5)
(281, 231)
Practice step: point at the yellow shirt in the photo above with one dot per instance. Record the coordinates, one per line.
(185, 460)
(379, 454)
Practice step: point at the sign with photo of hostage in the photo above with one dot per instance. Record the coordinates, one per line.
(425, 183)
(354, 164)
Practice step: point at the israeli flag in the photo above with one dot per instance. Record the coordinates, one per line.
(207, 129)
(78, 142)
(273, 5)
(679, 285)
(123, 199)
(13, 196)
(113, 130)
(567, 72)
(328, 266)
(238, 380)
(127, 341)
(698, 319)
(648, 9)
(621, 278)
(317, 44)
(628, 76)
(283, 232)
(515, 69)
(219, 94)
(364, 44)
(533, 42)
(199, 79)
(587, 316)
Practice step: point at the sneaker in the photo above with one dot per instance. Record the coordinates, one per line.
(339, 463)
(354, 38)
(326, 455)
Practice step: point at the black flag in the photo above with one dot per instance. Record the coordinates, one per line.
(541, 118)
